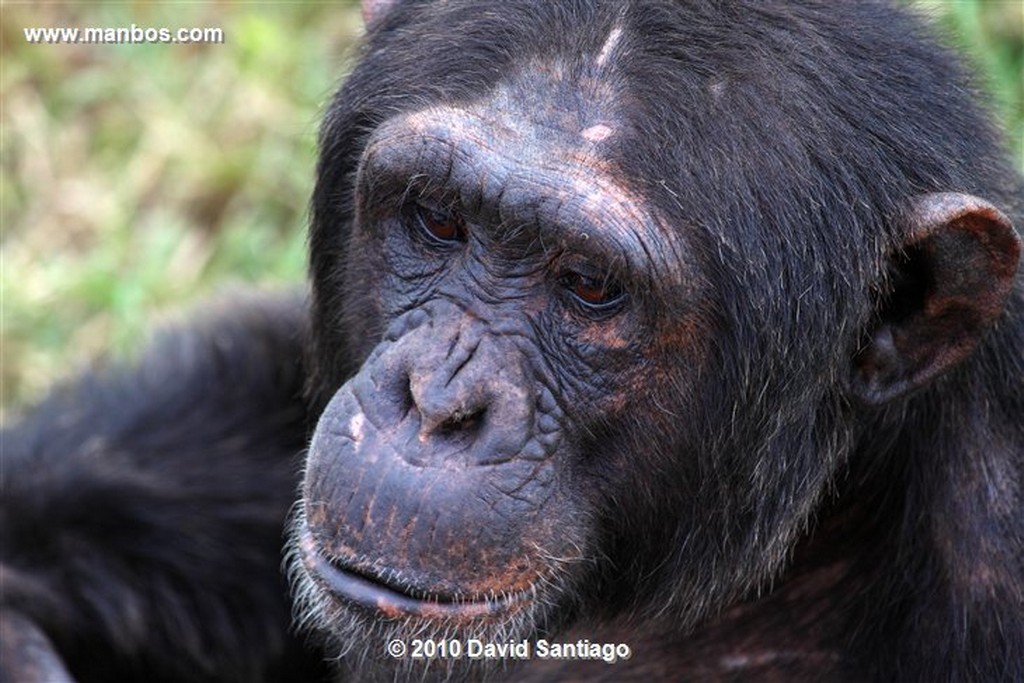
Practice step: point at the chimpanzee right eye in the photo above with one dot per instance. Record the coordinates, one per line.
(441, 227)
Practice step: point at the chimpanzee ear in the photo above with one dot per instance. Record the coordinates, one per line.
(375, 10)
(949, 283)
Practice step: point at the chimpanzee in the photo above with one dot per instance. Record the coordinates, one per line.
(645, 340)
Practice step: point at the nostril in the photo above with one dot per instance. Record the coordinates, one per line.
(445, 414)
(407, 398)
(463, 422)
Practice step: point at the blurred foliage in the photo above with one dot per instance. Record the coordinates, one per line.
(990, 34)
(139, 177)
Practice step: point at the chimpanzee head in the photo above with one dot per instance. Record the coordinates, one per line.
(603, 294)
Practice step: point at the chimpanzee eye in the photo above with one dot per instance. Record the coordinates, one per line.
(438, 225)
(597, 294)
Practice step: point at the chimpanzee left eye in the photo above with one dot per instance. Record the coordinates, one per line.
(597, 294)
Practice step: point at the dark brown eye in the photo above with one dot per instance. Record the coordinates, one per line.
(595, 293)
(439, 225)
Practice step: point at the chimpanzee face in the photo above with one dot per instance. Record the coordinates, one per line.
(452, 484)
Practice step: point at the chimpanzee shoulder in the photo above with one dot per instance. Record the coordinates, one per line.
(142, 507)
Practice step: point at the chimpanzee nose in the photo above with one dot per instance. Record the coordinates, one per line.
(447, 411)
(464, 391)
(476, 399)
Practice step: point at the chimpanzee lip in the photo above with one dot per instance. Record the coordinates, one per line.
(369, 593)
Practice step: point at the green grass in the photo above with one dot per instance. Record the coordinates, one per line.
(138, 178)
(990, 33)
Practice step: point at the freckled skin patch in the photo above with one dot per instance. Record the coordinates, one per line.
(597, 133)
(355, 427)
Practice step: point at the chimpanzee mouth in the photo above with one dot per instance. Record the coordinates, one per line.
(371, 593)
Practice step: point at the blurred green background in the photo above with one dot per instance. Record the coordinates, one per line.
(138, 178)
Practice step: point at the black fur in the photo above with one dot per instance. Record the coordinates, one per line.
(769, 526)
(143, 509)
